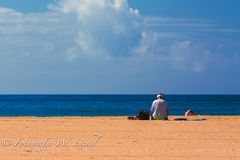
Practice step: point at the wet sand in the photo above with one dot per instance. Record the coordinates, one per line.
(218, 137)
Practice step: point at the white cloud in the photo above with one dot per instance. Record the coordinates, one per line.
(221, 30)
(180, 55)
(148, 43)
(105, 27)
(8, 12)
(151, 21)
(187, 56)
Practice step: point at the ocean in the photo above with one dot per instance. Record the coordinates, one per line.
(113, 105)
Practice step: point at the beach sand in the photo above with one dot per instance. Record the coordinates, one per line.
(110, 138)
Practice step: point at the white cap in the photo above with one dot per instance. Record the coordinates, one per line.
(161, 96)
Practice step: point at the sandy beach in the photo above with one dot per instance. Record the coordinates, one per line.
(218, 137)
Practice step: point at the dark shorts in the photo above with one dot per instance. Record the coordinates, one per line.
(158, 118)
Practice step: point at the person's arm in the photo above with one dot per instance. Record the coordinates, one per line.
(152, 108)
(167, 108)
(186, 113)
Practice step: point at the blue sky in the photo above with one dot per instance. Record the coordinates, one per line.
(120, 46)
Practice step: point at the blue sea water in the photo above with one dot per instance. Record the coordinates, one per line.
(113, 105)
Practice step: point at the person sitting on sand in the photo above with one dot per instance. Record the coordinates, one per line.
(159, 109)
(190, 112)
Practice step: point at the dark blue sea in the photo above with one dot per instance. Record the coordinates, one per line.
(114, 105)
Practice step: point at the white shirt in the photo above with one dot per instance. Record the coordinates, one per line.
(159, 109)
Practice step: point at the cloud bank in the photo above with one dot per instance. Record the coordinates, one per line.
(102, 30)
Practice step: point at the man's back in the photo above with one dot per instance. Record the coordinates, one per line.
(159, 109)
